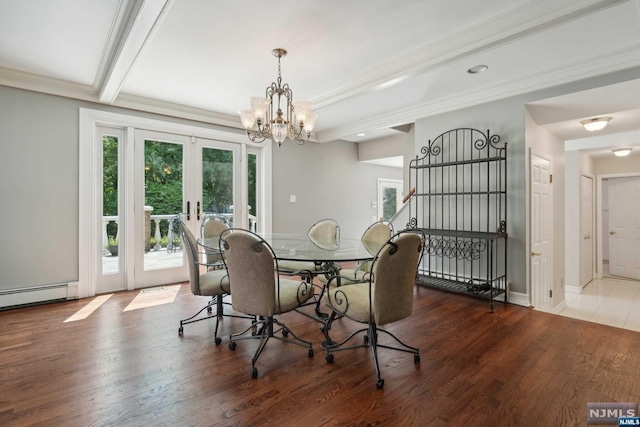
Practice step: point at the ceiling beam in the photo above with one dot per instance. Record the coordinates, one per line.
(135, 24)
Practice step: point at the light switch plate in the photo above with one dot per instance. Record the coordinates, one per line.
(292, 198)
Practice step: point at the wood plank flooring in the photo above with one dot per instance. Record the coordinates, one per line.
(114, 368)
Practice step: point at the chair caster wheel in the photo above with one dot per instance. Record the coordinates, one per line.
(180, 331)
(254, 373)
(416, 359)
(209, 310)
(366, 339)
(310, 352)
(329, 358)
(232, 345)
(218, 340)
(285, 332)
(380, 383)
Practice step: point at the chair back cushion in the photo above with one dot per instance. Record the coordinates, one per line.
(394, 271)
(374, 238)
(251, 266)
(325, 234)
(189, 244)
(212, 229)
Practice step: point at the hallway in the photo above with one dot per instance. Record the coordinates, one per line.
(608, 301)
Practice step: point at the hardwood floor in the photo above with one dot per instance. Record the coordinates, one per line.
(130, 368)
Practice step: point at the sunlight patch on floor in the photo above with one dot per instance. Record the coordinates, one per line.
(86, 311)
(154, 296)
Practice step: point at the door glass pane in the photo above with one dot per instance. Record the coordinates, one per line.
(389, 203)
(163, 198)
(252, 184)
(110, 146)
(217, 183)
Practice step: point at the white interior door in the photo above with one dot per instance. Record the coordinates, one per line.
(624, 227)
(541, 235)
(586, 230)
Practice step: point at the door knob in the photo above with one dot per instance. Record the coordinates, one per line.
(587, 237)
(535, 254)
(612, 232)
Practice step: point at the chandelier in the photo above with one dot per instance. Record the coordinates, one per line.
(266, 119)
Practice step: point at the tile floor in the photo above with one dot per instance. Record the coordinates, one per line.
(608, 301)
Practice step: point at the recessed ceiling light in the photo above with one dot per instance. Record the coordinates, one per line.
(360, 134)
(596, 123)
(477, 69)
(621, 152)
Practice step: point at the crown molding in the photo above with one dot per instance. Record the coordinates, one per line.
(617, 61)
(517, 22)
(38, 83)
(172, 109)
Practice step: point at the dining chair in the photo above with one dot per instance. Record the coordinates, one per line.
(258, 290)
(386, 296)
(324, 234)
(211, 228)
(213, 283)
(373, 238)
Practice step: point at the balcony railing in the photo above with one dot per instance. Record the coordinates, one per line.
(157, 235)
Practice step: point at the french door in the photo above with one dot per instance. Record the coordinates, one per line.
(147, 187)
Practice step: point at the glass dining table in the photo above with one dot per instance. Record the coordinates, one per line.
(327, 256)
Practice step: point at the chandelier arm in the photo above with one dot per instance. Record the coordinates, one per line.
(255, 136)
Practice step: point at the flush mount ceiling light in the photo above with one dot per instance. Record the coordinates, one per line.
(360, 134)
(477, 69)
(596, 123)
(621, 152)
(265, 119)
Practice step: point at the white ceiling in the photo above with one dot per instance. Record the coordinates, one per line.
(367, 68)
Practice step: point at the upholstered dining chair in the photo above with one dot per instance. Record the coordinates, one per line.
(384, 297)
(324, 234)
(373, 238)
(211, 228)
(259, 291)
(213, 283)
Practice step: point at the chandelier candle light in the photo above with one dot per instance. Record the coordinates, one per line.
(266, 119)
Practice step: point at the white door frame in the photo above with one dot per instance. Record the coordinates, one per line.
(535, 293)
(593, 228)
(88, 236)
(599, 236)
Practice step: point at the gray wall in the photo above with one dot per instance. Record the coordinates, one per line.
(39, 186)
(328, 182)
(506, 119)
(38, 189)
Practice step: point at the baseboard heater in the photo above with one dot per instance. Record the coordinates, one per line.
(13, 298)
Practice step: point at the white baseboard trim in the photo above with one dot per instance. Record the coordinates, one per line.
(73, 290)
(32, 295)
(518, 298)
(558, 308)
(572, 290)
